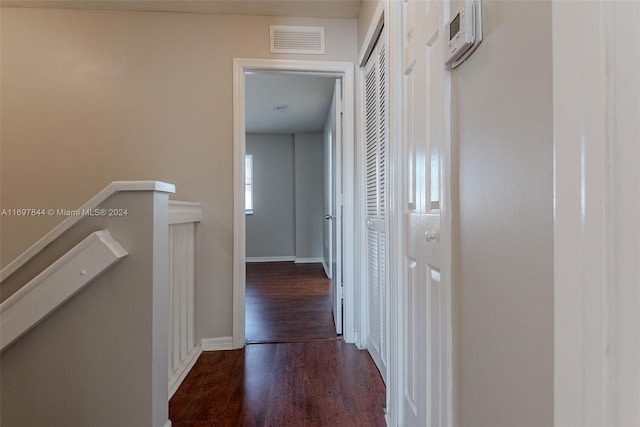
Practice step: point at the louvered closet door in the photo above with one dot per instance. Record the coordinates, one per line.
(376, 125)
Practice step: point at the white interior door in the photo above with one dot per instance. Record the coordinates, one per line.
(328, 226)
(335, 217)
(427, 293)
(376, 155)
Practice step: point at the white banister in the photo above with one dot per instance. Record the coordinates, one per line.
(183, 351)
(96, 201)
(56, 284)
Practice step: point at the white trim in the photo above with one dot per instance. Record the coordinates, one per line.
(446, 242)
(345, 70)
(309, 260)
(373, 32)
(94, 202)
(375, 26)
(271, 259)
(168, 423)
(217, 344)
(326, 269)
(393, 24)
(179, 376)
(184, 212)
(57, 283)
(361, 217)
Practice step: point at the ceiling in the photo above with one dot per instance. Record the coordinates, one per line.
(307, 8)
(306, 100)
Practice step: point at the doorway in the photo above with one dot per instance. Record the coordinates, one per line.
(290, 122)
(342, 72)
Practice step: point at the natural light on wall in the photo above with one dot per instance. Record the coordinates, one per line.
(248, 184)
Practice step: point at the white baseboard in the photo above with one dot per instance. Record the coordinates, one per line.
(181, 374)
(271, 259)
(216, 344)
(326, 269)
(168, 423)
(308, 260)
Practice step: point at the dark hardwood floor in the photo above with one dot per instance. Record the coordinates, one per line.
(287, 302)
(300, 374)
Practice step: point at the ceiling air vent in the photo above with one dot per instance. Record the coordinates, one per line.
(288, 39)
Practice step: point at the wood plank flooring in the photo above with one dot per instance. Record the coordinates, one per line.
(305, 378)
(287, 302)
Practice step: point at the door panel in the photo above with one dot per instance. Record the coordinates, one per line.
(328, 199)
(427, 294)
(336, 209)
(376, 153)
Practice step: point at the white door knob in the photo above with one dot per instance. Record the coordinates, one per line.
(431, 235)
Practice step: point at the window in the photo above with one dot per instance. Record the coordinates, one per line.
(248, 184)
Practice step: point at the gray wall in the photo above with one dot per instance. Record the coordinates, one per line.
(309, 194)
(288, 191)
(502, 103)
(271, 228)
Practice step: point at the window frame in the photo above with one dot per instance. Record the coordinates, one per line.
(248, 184)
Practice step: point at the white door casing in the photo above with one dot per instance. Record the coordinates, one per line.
(376, 134)
(344, 71)
(335, 219)
(427, 325)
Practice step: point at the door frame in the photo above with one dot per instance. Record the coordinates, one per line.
(345, 71)
(388, 15)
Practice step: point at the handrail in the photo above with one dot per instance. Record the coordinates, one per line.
(108, 191)
(56, 284)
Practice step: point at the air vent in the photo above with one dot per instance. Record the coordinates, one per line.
(288, 39)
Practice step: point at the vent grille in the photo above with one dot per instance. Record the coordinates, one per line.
(289, 39)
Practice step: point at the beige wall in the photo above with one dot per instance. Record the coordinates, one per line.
(503, 275)
(100, 359)
(89, 97)
(365, 16)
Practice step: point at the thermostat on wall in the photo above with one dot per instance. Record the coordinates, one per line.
(464, 31)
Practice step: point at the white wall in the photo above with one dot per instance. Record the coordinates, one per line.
(309, 195)
(503, 269)
(271, 228)
(89, 97)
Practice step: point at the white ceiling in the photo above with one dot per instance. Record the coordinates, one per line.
(307, 8)
(307, 100)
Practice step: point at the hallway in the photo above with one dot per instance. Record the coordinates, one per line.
(296, 371)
